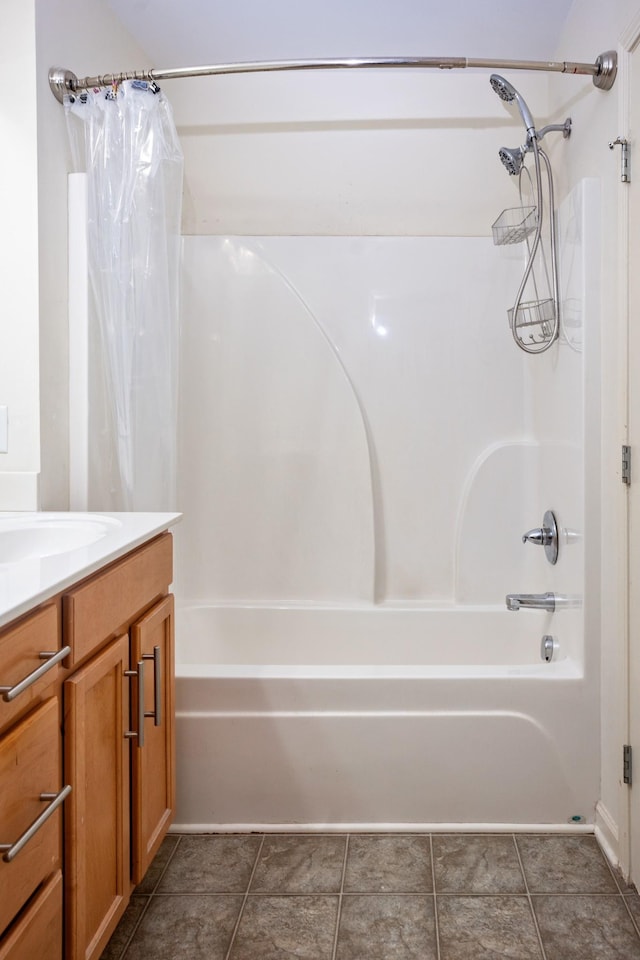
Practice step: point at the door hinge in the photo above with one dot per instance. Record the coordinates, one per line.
(625, 158)
(626, 464)
(627, 769)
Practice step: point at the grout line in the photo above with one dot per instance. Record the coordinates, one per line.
(443, 895)
(244, 899)
(435, 897)
(617, 882)
(166, 866)
(135, 927)
(149, 897)
(526, 887)
(426, 894)
(338, 917)
(633, 919)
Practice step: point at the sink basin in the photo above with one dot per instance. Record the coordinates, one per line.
(32, 536)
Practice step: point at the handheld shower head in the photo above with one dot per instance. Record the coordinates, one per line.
(512, 159)
(508, 93)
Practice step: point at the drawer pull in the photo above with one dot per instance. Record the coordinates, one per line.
(157, 686)
(10, 850)
(139, 733)
(10, 693)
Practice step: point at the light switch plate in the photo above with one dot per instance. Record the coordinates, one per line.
(4, 430)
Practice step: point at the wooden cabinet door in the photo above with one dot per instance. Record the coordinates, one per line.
(153, 762)
(97, 880)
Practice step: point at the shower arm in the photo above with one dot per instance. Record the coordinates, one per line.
(603, 71)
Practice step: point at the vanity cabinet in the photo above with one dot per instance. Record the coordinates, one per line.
(101, 723)
(119, 739)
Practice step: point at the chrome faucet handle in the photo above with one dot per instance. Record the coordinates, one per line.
(545, 536)
(540, 535)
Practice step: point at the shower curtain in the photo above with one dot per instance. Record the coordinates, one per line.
(126, 141)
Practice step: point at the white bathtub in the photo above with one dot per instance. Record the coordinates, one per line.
(379, 718)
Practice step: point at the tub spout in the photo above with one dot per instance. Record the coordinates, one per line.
(531, 601)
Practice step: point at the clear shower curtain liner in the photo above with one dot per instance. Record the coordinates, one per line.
(126, 141)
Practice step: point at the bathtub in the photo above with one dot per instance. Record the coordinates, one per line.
(325, 718)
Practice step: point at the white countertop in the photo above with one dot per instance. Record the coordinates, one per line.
(27, 582)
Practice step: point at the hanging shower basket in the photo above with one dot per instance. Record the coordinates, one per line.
(537, 316)
(514, 225)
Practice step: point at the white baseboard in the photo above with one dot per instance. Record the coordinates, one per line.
(382, 828)
(606, 831)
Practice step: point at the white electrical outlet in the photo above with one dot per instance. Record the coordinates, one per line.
(4, 430)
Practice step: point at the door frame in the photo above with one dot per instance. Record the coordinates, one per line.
(628, 598)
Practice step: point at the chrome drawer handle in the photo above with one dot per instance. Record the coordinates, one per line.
(157, 686)
(139, 733)
(10, 693)
(11, 850)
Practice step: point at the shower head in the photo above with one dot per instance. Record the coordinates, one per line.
(512, 159)
(508, 93)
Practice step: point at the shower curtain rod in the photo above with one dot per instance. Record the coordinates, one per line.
(603, 70)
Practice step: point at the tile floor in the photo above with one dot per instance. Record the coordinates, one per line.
(380, 897)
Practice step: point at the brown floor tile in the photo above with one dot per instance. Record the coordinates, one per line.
(389, 864)
(480, 864)
(560, 864)
(586, 928)
(632, 901)
(122, 933)
(280, 928)
(211, 864)
(487, 928)
(185, 928)
(622, 883)
(381, 927)
(388, 904)
(158, 865)
(294, 864)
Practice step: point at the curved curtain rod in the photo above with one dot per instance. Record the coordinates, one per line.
(603, 70)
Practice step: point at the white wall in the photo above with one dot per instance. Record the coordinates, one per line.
(83, 36)
(408, 153)
(19, 256)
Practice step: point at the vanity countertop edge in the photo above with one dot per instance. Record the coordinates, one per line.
(24, 584)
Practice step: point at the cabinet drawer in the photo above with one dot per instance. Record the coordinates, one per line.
(103, 605)
(37, 934)
(20, 649)
(29, 767)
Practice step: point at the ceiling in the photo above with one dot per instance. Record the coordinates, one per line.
(188, 32)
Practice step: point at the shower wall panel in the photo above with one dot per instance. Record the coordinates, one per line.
(339, 397)
(347, 152)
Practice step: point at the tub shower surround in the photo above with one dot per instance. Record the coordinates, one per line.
(361, 451)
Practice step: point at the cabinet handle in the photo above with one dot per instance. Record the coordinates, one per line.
(139, 733)
(157, 686)
(10, 693)
(10, 850)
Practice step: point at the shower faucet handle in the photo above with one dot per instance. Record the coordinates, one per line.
(545, 536)
(540, 535)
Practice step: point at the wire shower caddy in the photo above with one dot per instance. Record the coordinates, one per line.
(532, 322)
